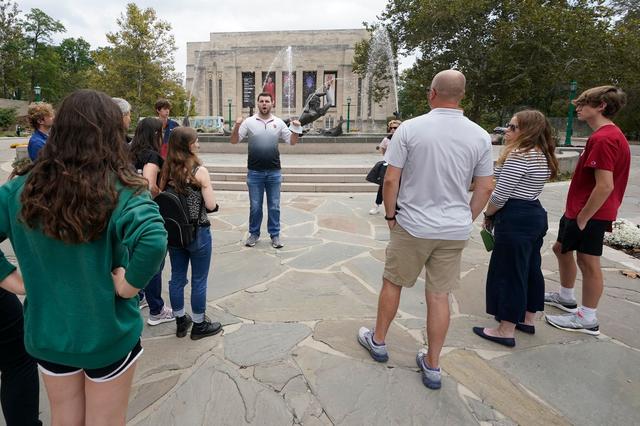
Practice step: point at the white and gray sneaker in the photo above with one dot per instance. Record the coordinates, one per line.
(377, 352)
(252, 240)
(165, 315)
(554, 299)
(276, 243)
(574, 322)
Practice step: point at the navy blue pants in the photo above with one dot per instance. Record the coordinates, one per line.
(514, 281)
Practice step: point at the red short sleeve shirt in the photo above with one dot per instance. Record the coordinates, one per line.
(607, 149)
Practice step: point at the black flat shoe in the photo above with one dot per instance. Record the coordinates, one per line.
(505, 341)
(526, 328)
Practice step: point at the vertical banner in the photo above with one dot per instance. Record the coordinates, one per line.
(331, 77)
(308, 85)
(288, 89)
(248, 89)
(269, 85)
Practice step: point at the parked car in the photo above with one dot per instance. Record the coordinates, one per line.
(207, 123)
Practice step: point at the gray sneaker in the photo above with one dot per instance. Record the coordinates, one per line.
(554, 299)
(431, 378)
(165, 315)
(252, 240)
(377, 352)
(275, 242)
(573, 322)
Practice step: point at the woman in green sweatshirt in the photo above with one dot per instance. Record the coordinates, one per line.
(87, 237)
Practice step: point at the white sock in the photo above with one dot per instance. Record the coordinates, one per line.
(588, 314)
(567, 293)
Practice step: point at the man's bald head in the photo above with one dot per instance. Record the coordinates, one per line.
(449, 85)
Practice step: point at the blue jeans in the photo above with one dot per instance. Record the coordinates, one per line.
(199, 254)
(260, 182)
(153, 292)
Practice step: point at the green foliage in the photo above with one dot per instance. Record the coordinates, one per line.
(7, 117)
(137, 65)
(12, 51)
(517, 53)
(43, 63)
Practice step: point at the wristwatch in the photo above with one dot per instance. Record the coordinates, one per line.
(486, 216)
(390, 218)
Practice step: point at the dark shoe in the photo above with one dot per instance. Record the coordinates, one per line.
(526, 328)
(183, 323)
(506, 341)
(205, 328)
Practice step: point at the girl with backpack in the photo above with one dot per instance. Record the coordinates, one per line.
(73, 219)
(145, 155)
(184, 174)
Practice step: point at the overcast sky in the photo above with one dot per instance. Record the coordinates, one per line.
(193, 20)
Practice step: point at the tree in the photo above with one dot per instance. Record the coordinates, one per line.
(137, 65)
(76, 63)
(12, 50)
(515, 53)
(43, 66)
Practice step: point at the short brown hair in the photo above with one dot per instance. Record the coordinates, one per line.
(612, 96)
(265, 95)
(39, 111)
(162, 103)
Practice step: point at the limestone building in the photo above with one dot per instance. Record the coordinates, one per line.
(226, 73)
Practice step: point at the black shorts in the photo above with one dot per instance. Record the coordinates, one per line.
(103, 374)
(588, 241)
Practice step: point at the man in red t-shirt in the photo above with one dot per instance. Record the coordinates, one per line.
(596, 192)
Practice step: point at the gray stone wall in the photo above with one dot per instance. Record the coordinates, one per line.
(214, 73)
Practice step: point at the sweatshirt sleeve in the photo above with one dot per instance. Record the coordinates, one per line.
(141, 229)
(6, 267)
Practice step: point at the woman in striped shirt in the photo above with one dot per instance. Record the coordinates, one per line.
(515, 285)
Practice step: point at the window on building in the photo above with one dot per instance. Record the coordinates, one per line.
(210, 96)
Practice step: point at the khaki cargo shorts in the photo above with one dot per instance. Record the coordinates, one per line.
(406, 255)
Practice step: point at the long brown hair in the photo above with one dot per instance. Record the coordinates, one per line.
(536, 132)
(70, 192)
(178, 169)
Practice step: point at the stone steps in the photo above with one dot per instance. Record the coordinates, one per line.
(298, 178)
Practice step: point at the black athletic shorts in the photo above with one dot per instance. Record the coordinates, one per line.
(588, 241)
(103, 374)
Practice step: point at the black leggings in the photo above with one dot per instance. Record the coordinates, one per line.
(379, 195)
(19, 391)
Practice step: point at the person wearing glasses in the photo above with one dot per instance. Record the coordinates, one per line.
(382, 147)
(515, 284)
(596, 192)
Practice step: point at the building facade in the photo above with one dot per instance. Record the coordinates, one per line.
(226, 73)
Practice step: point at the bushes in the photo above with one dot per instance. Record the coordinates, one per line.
(8, 117)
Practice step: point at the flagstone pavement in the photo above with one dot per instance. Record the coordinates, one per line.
(289, 353)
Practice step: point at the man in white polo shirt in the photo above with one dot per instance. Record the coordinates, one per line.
(263, 131)
(432, 159)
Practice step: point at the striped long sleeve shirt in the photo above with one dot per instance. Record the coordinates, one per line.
(522, 176)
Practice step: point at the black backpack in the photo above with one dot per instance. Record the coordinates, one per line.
(173, 209)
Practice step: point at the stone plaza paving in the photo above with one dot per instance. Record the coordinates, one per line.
(289, 353)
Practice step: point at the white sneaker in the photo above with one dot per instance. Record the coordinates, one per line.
(165, 315)
(375, 209)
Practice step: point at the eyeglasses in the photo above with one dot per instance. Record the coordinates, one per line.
(511, 127)
(393, 128)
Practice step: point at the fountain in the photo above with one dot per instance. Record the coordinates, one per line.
(381, 67)
(185, 120)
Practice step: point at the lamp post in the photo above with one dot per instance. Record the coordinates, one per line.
(229, 102)
(38, 91)
(572, 108)
(348, 114)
